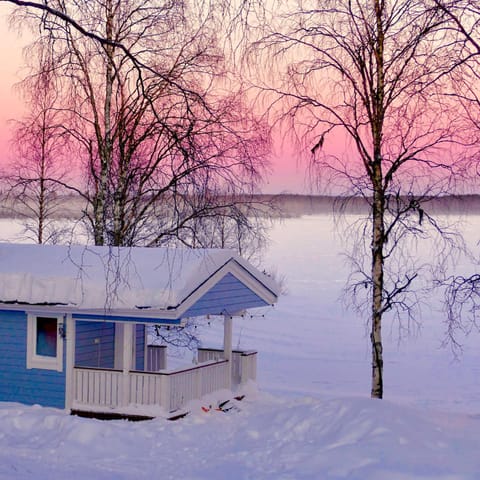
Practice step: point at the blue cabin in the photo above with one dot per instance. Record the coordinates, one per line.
(74, 324)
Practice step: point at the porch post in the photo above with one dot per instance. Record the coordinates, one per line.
(227, 346)
(69, 362)
(118, 347)
(127, 361)
(145, 347)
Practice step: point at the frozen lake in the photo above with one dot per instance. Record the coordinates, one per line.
(309, 344)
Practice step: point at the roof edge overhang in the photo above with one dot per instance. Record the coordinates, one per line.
(139, 315)
(244, 274)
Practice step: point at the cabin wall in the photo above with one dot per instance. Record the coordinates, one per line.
(17, 383)
(95, 344)
(140, 347)
(229, 295)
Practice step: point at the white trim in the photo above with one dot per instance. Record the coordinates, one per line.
(40, 361)
(145, 347)
(118, 346)
(155, 315)
(128, 329)
(128, 344)
(133, 364)
(227, 346)
(240, 273)
(69, 361)
(265, 291)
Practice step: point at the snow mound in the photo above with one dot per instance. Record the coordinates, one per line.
(265, 438)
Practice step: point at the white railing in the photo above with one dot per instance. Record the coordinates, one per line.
(94, 386)
(156, 356)
(248, 366)
(170, 390)
(244, 363)
(188, 384)
(148, 389)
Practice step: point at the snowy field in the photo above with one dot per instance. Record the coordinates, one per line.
(311, 417)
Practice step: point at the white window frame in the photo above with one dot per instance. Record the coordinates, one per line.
(41, 361)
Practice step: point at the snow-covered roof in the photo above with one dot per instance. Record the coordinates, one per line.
(117, 278)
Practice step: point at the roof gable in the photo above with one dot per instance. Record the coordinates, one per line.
(228, 296)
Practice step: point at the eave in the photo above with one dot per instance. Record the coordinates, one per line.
(171, 315)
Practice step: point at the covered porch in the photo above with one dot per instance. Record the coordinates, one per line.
(139, 382)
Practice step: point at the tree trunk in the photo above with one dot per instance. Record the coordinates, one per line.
(378, 237)
(378, 207)
(105, 145)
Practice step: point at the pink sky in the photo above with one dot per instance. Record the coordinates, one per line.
(286, 175)
(11, 45)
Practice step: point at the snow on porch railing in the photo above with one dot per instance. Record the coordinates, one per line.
(244, 363)
(112, 388)
(173, 389)
(248, 366)
(191, 383)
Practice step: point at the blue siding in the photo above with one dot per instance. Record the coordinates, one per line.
(229, 295)
(121, 318)
(139, 347)
(17, 383)
(95, 344)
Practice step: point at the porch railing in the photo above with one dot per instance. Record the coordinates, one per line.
(170, 390)
(192, 383)
(94, 386)
(108, 388)
(156, 356)
(244, 363)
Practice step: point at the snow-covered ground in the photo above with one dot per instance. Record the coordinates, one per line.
(310, 419)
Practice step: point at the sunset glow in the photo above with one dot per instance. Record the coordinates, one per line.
(11, 47)
(287, 173)
(289, 170)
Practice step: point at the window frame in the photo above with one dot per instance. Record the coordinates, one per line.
(42, 361)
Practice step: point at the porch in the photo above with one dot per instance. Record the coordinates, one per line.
(129, 391)
(112, 368)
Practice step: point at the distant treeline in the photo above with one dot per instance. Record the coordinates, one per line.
(281, 205)
(290, 205)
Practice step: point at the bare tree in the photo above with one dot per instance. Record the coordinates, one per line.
(369, 74)
(462, 292)
(156, 136)
(39, 144)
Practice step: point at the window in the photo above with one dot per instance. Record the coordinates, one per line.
(44, 342)
(46, 336)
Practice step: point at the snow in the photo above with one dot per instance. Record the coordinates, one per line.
(311, 417)
(269, 438)
(113, 277)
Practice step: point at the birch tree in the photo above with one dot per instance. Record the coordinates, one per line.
(369, 75)
(462, 293)
(155, 132)
(38, 145)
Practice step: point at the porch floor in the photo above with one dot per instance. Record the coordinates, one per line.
(110, 416)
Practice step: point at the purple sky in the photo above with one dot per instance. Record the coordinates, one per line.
(286, 175)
